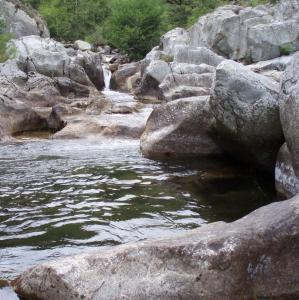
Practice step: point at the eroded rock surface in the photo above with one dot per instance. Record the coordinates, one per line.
(247, 259)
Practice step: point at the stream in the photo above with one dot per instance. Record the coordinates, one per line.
(64, 197)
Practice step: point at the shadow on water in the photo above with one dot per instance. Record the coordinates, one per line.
(60, 198)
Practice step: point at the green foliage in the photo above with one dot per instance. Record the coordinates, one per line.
(135, 25)
(73, 19)
(287, 49)
(4, 38)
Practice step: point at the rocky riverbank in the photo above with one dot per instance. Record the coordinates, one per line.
(227, 86)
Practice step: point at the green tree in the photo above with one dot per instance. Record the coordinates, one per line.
(73, 19)
(135, 25)
(5, 36)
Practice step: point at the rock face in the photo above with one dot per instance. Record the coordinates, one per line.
(253, 34)
(180, 129)
(288, 161)
(247, 259)
(245, 105)
(286, 181)
(52, 59)
(22, 20)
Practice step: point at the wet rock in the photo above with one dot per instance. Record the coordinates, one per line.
(245, 105)
(250, 252)
(55, 122)
(22, 20)
(16, 117)
(180, 129)
(121, 79)
(289, 113)
(286, 181)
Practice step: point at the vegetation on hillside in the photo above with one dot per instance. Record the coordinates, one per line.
(131, 25)
(4, 38)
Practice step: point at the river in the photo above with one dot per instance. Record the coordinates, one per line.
(63, 197)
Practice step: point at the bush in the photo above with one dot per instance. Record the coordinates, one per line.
(4, 38)
(135, 26)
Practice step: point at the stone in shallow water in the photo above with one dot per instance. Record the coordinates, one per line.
(256, 257)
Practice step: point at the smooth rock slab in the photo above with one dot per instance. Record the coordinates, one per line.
(256, 257)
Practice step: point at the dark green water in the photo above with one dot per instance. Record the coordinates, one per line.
(60, 198)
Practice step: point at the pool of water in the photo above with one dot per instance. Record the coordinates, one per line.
(61, 197)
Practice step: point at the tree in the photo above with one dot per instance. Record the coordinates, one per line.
(5, 36)
(135, 25)
(73, 19)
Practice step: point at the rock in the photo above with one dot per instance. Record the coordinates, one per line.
(82, 45)
(71, 89)
(16, 117)
(251, 34)
(55, 122)
(174, 38)
(180, 129)
(197, 56)
(93, 68)
(152, 77)
(286, 181)
(46, 56)
(187, 80)
(120, 78)
(51, 58)
(289, 113)
(23, 20)
(246, 259)
(245, 105)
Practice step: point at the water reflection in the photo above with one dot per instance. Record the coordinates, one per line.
(63, 197)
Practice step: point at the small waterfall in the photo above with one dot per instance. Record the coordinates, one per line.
(107, 76)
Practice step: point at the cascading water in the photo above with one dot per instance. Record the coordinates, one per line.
(107, 76)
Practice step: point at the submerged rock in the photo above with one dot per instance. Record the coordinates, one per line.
(246, 259)
(245, 105)
(180, 129)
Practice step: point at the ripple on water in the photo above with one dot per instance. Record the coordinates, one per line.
(59, 198)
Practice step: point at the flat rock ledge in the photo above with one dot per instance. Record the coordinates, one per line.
(256, 257)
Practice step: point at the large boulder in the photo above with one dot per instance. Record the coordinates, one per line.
(289, 114)
(252, 34)
(180, 129)
(22, 20)
(256, 257)
(50, 58)
(245, 105)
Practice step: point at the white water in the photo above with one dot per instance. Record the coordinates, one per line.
(115, 97)
(107, 76)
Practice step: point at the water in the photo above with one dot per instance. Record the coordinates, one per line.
(60, 198)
